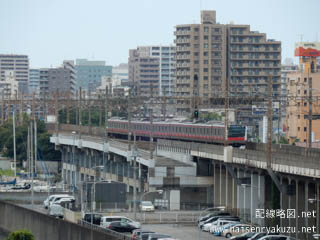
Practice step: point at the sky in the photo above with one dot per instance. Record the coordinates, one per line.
(50, 31)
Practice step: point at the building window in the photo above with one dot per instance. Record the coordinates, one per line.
(205, 78)
(298, 116)
(305, 91)
(205, 37)
(205, 61)
(298, 128)
(196, 54)
(206, 45)
(305, 104)
(305, 129)
(195, 37)
(196, 61)
(205, 54)
(206, 29)
(205, 70)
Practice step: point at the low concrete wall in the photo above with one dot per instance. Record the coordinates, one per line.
(45, 227)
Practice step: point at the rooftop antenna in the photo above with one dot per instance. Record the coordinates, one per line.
(301, 37)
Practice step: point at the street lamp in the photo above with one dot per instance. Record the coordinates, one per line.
(160, 191)
(75, 171)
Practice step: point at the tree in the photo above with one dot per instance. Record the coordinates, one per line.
(23, 234)
(211, 116)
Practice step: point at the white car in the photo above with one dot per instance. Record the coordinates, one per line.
(146, 206)
(56, 210)
(58, 200)
(106, 220)
(219, 224)
(52, 197)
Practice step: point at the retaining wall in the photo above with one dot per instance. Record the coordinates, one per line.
(45, 227)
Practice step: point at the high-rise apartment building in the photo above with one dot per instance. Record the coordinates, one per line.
(153, 66)
(89, 73)
(44, 83)
(34, 81)
(211, 57)
(286, 68)
(303, 87)
(62, 79)
(19, 65)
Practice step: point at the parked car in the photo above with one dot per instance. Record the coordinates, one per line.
(51, 197)
(121, 227)
(259, 235)
(213, 219)
(136, 234)
(146, 206)
(63, 199)
(157, 236)
(107, 220)
(145, 236)
(213, 214)
(96, 218)
(212, 227)
(236, 230)
(277, 237)
(244, 236)
(220, 229)
(56, 210)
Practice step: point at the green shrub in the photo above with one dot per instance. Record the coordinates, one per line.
(23, 234)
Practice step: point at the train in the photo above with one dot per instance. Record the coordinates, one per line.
(197, 132)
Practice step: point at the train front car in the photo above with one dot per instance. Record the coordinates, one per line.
(237, 134)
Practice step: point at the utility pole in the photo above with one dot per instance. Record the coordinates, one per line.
(269, 116)
(106, 109)
(57, 112)
(80, 121)
(310, 110)
(35, 145)
(28, 165)
(14, 142)
(32, 164)
(89, 110)
(2, 108)
(151, 122)
(68, 108)
(226, 111)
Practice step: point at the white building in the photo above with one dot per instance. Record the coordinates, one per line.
(9, 87)
(120, 75)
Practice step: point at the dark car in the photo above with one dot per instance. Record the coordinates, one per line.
(96, 218)
(210, 215)
(122, 227)
(137, 234)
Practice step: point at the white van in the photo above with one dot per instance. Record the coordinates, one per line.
(106, 220)
(51, 198)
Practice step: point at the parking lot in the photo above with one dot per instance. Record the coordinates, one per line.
(180, 231)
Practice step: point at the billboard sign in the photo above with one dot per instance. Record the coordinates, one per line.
(307, 49)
